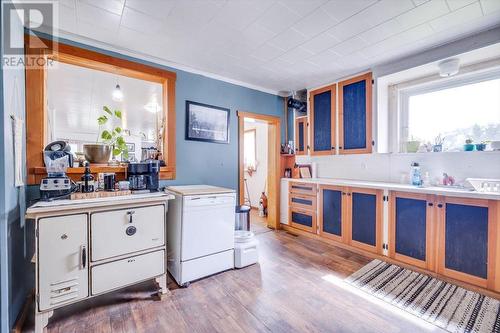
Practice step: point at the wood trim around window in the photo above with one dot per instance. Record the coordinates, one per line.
(36, 101)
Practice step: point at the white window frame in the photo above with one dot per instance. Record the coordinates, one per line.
(425, 85)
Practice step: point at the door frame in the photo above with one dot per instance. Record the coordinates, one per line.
(273, 164)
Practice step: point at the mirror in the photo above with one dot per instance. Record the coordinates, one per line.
(75, 99)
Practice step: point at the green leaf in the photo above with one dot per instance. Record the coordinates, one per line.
(107, 110)
(118, 129)
(102, 120)
(116, 152)
(125, 154)
(120, 141)
(118, 114)
(105, 135)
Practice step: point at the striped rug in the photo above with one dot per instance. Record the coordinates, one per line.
(443, 304)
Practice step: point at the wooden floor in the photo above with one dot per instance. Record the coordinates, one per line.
(296, 287)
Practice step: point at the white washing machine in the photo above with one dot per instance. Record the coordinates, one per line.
(200, 231)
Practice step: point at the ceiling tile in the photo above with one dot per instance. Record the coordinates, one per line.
(155, 8)
(315, 23)
(342, 9)
(113, 6)
(350, 27)
(302, 7)
(456, 4)
(349, 46)
(490, 6)
(460, 16)
(288, 39)
(67, 18)
(240, 14)
(297, 54)
(191, 16)
(424, 13)
(266, 52)
(278, 18)
(140, 22)
(101, 34)
(406, 37)
(321, 42)
(324, 58)
(385, 10)
(256, 34)
(419, 2)
(381, 31)
(97, 17)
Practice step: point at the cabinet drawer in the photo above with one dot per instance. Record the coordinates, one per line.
(302, 188)
(303, 201)
(302, 219)
(127, 271)
(124, 231)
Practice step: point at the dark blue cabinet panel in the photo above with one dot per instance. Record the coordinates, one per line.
(301, 136)
(354, 115)
(307, 202)
(364, 218)
(303, 219)
(332, 212)
(466, 239)
(322, 136)
(411, 226)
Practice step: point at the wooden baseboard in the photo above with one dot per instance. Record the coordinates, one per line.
(298, 232)
(21, 318)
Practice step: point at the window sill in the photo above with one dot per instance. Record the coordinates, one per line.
(37, 173)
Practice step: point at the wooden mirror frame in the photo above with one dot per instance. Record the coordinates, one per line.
(36, 103)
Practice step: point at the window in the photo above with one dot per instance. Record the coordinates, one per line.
(250, 151)
(453, 111)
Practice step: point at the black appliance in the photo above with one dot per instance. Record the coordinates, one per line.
(144, 175)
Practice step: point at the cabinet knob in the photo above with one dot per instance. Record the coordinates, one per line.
(440, 205)
(430, 204)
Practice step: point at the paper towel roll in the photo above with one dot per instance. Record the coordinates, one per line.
(314, 168)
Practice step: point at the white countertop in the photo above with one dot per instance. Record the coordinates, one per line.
(436, 190)
(199, 189)
(63, 205)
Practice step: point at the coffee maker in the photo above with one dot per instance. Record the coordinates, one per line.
(57, 158)
(144, 176)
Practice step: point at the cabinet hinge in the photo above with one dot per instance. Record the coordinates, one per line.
(385, 246)
(373, 143)
(37, 298)
(36, 232)
(373, 81)
(385, 198)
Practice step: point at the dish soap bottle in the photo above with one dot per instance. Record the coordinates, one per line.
(415, 174)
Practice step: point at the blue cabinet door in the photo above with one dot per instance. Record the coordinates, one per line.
(466, 239)
(409, 224)
(301, 135)
(323, 120)
(355, 115)
(331, 213)
(365, 219)
(302, 219)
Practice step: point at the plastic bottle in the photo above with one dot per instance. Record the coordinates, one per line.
(415, 174)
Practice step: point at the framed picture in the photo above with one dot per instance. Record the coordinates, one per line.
(207, 123)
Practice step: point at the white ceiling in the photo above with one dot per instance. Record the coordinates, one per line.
(275, 45)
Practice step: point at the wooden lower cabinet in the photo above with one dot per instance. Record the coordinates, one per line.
(365, 208)
(331, 213)
(467, 240)
(411, 229)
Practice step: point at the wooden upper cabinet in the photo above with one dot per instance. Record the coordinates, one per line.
(355, 115)
(322, 120)
(301, 135)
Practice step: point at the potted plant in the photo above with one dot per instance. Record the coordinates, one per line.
(438, 144)
(469, 146)
(412, 145)
(481, 146)
(112, 141)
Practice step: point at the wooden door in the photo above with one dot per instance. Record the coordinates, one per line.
(364, 218)
(302, 219)
(411, 228)
(322, 109)
(355, 115)
(331, 212)
(467, 239)
(301, 136)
